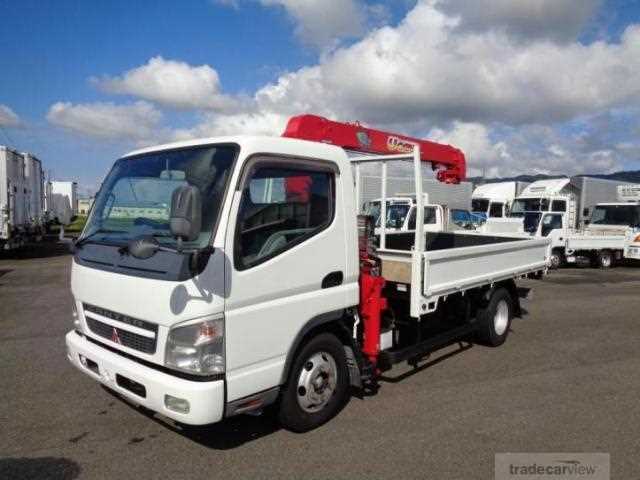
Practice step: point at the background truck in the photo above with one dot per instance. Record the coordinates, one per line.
(21, 198)
(611, 232)
(558, 207)
(62, 202)
(34, 183)
(250, 279)
(494, 200)
(401, 215)
(400, 183)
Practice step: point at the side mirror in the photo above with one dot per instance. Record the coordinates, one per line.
(587, 222)
(186, 213)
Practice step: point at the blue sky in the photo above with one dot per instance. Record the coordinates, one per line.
(273, 59)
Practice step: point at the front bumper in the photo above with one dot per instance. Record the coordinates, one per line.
(206, 399)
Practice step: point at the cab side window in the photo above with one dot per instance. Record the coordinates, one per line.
(496, 210)
(559, 206)
(281, 206)
(551, 222)
(429, 217)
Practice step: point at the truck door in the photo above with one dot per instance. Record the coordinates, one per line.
(288, 261)
(550, 222)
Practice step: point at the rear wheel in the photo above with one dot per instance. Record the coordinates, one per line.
(604, 259)
(318, 385)
(494, 321)
(556, 260)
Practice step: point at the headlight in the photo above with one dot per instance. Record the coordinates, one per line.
(197, 348)
(77, 325)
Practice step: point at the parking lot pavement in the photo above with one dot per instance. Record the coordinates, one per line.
(567, 380)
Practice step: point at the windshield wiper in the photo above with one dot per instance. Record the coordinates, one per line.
(82, 241)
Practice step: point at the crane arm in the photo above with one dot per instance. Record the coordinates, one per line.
(448, 162)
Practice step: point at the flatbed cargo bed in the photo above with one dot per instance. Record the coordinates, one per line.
(454, 262)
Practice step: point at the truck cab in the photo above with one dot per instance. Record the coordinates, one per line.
(548, 209)
(270, 227)
(494, 200)
(401, 215)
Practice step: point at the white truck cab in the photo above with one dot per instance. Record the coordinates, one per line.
(217, 276)
(494, 200)
(548, 209)
(401, 215)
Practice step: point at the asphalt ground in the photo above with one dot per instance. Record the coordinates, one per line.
(567, 380)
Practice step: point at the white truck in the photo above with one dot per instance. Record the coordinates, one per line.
(21, 197)
(612, 232)
(214, 302)
(494, 200)
(401, 215)
(556, 208)
(62, 203)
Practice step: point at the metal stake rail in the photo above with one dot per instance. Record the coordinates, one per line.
(418, 249)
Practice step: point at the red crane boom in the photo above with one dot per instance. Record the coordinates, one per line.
(448, 161)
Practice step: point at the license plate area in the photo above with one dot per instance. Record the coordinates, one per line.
(131, 385)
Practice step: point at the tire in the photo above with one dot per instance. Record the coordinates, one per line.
(494, 321)
(556, 260)
(317, 387)
(604, 259)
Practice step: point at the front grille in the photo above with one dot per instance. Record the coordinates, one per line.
(127, 338)
(136, 322)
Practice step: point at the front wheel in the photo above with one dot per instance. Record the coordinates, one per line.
(317, 387)
(494, 321)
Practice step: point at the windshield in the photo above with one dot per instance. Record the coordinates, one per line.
(135, 198)
(616, 215)
(396, 213)
(479, 205)
(531, 221)
(522, 205)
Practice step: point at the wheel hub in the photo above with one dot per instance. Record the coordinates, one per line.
(317, 382)
(501, 318)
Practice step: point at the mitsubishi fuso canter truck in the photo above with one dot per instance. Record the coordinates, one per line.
(215, 277)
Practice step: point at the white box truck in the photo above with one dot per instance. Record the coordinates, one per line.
(34, 182)
(218, 299)
(14, 215)
(63, 202)
(401, 184)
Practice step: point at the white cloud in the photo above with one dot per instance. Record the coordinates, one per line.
(321, 22)
(530, 149)
(263, 123)
(137, 122)
(8, 118)
(559, 20)
(171, 83)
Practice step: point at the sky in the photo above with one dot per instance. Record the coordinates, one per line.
(522, 86)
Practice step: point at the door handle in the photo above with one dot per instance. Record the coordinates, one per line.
(332, 279)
